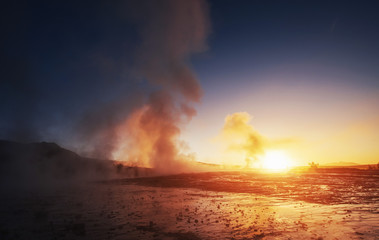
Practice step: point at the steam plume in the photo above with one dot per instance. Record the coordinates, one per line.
(174, 30)
(118, 81)
(239, 135)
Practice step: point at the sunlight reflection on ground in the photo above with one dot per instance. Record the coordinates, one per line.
(166, 209)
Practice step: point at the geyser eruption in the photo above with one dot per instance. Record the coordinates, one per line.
(172, 32)
(119, 84)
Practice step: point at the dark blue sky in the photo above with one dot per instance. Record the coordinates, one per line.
(63, 61)
(258, 36)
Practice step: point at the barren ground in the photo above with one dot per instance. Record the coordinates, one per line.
(198, 206)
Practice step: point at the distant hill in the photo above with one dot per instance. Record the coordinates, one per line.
(45, 163)
(341, 164)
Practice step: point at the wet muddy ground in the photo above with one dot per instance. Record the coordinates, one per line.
(199, 206)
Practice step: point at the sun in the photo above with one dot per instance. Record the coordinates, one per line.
(276, 160)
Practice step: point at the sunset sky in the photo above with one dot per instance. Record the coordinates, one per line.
(306, 72)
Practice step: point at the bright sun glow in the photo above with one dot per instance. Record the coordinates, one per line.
(275, 160)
